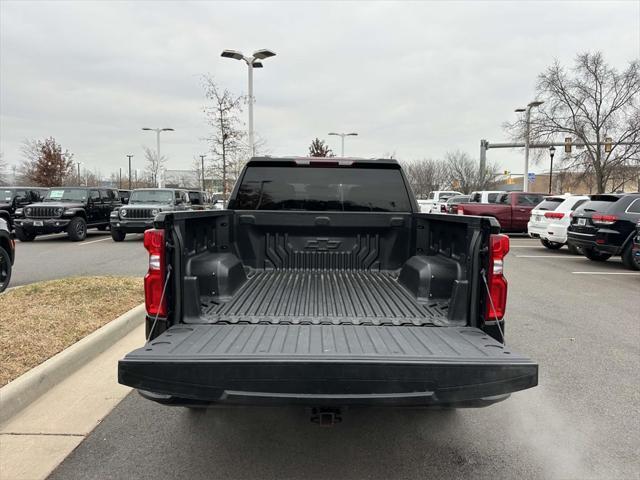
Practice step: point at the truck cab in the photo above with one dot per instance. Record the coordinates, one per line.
(323, 285)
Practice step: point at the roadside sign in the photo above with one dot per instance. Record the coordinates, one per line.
(532, 177)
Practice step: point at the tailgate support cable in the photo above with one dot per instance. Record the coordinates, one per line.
(164, 289)
(493, 307)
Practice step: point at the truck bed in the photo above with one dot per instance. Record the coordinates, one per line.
(324, 297)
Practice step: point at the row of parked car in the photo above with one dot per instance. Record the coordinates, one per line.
(597, 226)
(31, 211)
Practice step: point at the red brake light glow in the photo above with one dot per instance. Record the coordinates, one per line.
(154, 279)
(460, 210)
(497, 301)
(556, 215)
(604, 219)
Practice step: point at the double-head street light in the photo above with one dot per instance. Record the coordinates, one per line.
(527, 111)
(342, 135)
(158, 130)
(253, 61)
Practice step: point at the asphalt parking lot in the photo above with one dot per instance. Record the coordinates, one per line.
(577, 318)
(54, 256)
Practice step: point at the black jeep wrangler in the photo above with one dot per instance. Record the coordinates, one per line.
(144, 204)
(68, 209)
(14, 199)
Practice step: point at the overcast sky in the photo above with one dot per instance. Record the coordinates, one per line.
(416, 79)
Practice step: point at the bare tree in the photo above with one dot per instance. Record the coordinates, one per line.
(465, 174)
(590, 102)
(3, 170)
(226, 141)
(45, 163)
(154, 165)
(426, 175)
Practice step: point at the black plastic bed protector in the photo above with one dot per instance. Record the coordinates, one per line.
(334, 297)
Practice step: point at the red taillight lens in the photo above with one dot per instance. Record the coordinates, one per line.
(604, 219)
(557, 215)
(154, 279)
(443, 208)
(460, 210)
(497, 303)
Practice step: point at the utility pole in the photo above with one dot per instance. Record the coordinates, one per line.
(158, 131)
(527, 110)
(342, 135)
(120, 179)
(79, 182)
(224, 168)
(202, 170)
(129, 157)
(253, 61)
(552, 152)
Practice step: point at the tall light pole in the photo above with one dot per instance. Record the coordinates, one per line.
(202, 160)
(129, 157)
(342, 135)
(253, 61)
(527, 110)
(79, 182)
(552, 152)
(158, 130)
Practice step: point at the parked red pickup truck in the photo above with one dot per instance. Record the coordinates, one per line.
(512, 210)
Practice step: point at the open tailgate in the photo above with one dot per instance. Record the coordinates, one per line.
(327, 364)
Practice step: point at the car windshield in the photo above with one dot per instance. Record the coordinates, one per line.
(323, 189)
(598, 205)
(65, 195)
(6, 195)
(549, 204)
(151, 196)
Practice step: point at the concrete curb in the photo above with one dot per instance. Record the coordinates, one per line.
(22, 391)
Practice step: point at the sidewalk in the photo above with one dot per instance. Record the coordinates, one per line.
(36, 440)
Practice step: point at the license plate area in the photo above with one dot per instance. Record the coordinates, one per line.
(582, 221)
(38, 223)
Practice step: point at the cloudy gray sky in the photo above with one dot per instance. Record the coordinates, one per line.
(414, 78)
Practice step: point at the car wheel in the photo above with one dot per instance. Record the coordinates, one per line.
(591, 254)
(24, 236)
(5, 269)
(574, 249)
(630, 260)
(77, 229)
(118, 235)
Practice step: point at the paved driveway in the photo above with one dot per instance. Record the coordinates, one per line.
(582, 421)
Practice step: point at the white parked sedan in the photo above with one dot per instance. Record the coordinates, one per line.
(550, 219)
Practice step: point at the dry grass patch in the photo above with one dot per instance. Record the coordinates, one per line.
(39, 320)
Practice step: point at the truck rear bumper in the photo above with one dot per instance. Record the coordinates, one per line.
(326, 365)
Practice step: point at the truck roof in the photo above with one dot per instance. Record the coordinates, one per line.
(341, 160)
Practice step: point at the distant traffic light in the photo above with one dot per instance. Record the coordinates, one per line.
(567, 144)
(607, 144)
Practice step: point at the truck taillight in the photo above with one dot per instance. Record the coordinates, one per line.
(557, 215)
(497, 301)
(154, 279)
(460, 210)
(604, 219)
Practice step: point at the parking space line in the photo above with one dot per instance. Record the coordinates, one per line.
(606, 273)
(549, 256)
(94, 241)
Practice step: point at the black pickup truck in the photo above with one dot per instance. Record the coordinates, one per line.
(323, 285)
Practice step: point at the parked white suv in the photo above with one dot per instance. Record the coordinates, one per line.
(551, 218)
(437, 201)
